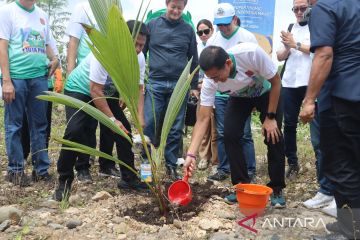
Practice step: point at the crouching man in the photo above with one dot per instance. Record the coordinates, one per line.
(242, 72)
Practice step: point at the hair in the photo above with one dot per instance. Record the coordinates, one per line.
(185, 1)
(238, 21)
(205, 22)
(143, 29)
(213, 56)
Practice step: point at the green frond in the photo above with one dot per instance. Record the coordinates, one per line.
(86, 107)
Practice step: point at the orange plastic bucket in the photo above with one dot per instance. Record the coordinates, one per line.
(179, 193)
(252, 198)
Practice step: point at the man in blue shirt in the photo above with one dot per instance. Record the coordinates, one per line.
(335, 39)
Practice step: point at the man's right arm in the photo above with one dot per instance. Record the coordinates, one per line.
(72, 54)
(8, 87)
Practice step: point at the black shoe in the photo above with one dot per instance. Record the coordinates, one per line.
(20, 179)
(172, 173)
(44, 177)
(62, 192)
(218, 176)
(332, 236)
(132, 184)
(84, 176)
(292, 172)
(109, 172)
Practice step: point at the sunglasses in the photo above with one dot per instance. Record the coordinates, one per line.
(205, 31)
(297, 9)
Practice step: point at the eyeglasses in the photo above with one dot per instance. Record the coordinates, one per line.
(223, 25)
(205, 31)
(296, 9)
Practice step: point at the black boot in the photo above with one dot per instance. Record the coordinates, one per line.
(62, 192)
(172, 173)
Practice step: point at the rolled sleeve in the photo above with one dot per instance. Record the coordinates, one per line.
(208, 91)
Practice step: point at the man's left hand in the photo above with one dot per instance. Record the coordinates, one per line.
(271, 130)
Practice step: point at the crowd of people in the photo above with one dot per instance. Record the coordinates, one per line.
(318, 83)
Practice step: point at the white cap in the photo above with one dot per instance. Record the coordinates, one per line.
(224, 13)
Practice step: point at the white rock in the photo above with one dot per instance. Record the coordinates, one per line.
(101, 196)
(10, 213)
(121, 236)
(206, 224)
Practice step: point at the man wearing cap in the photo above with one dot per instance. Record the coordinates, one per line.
(229, 35)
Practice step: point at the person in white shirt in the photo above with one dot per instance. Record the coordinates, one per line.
(296, 52)
(111, 107)
(229, 35)
(250, 78)
(24, 60)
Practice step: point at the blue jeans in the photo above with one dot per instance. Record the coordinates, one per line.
(292, 99)
(326, 187)
(157, 96)
(26, 91)
(246, 141)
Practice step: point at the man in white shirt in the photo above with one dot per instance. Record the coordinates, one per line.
(242, 72)
(296, 52)
(113, 109)
(229, 35)
(24, 62)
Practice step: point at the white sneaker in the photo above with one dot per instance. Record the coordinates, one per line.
(330, 209)
(320, 200)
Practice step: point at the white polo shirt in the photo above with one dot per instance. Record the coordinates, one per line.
(298, 65)
(253, 66)
(99, 75)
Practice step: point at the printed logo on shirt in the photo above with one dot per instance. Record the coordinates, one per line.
(254, 89)
(33, 41)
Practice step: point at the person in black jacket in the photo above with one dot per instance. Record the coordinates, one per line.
(171, 44)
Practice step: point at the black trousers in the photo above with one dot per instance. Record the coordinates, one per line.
(81, 128)
(123, 147)
(238, 110)
(340, 145)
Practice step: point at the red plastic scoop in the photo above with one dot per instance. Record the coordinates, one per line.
(179, 193)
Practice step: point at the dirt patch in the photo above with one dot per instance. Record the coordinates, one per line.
(201, 194)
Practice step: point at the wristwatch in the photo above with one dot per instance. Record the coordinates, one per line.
(271, 115)
(298, 45)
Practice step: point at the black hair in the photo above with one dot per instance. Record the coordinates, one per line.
(213, 56)
(238, 21)
(167, 2)
(205, 22)
(143, 29)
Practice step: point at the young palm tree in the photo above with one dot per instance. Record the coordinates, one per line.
(113, 46)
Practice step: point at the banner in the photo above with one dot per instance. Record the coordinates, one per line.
(257, 16)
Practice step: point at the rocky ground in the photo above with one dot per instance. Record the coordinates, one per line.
(101, 211)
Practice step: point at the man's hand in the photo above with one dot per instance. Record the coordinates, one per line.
(195, 93)
(307, 112)
(271, 130)
(122, 104)
(8, 91)
(287, 39)
(52, 66)
(189, 166)
(120, 125)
